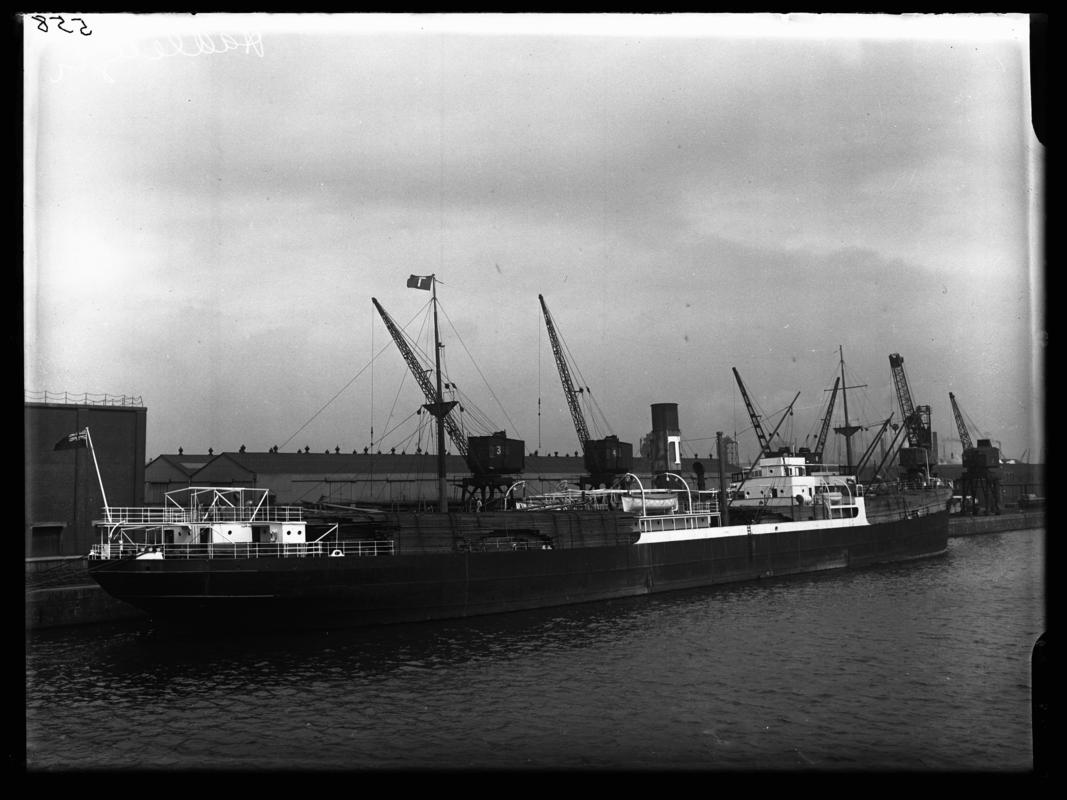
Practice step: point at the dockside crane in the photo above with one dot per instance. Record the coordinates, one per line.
(961, 426)
(604, 459)
(489, 458)
(916, 457)
(981, 468)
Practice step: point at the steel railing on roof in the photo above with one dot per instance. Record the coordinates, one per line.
(162, 515)
(84, 399)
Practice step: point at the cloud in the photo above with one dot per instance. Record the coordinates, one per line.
(685, 204)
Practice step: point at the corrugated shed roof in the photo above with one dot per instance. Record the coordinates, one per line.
(185, 463)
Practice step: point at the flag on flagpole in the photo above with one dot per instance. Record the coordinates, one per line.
(73, 440)
(420, 282)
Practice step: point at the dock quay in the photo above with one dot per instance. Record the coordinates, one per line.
(59, 592)
(971, 525)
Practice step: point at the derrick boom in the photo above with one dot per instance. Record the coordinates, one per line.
(820, 443)
(764, 442)
(870, 448)
(785, 415)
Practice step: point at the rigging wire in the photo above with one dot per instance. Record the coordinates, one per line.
(468, 417)
(372, 380)
(400, 424)
(503, 410)
(971, 426)
(341, 391)
(392, 410)
(539, 359)
(317, 484)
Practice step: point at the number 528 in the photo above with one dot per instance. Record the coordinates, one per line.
(42, 24)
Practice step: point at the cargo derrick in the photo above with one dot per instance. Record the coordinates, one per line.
(757, 426)
(915, 459)
(878, 476)
(764, 439)
(489, 458)
(815, 455)
(605, 459)
(981, 468)
(869, 452)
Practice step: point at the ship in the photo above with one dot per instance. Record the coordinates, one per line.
(214, 556)
(228, 557)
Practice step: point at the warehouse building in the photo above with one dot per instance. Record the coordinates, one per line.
(384, 480)
(66, 488)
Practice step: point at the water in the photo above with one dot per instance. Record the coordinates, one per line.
(918, 667)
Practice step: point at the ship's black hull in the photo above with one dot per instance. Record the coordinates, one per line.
(266, 593)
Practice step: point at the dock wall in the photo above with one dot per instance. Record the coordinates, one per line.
(968, 525)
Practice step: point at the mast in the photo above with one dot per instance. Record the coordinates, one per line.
(442, 482)
(431, 391)
(847, 430)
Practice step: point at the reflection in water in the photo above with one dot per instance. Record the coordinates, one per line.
(903, 667)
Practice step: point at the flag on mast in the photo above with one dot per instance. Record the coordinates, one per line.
(74, 440)
(420, 282)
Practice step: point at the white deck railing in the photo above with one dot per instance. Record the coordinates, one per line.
(144, 515)
(678, 522)
(119, 550)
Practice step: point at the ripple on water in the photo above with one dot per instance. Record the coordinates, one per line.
(922, 667)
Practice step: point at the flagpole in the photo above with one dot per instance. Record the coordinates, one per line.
(89, 438)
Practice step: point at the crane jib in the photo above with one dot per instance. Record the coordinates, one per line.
(459, 441)
(565, 378)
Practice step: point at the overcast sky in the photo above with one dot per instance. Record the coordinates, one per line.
(212, 202)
